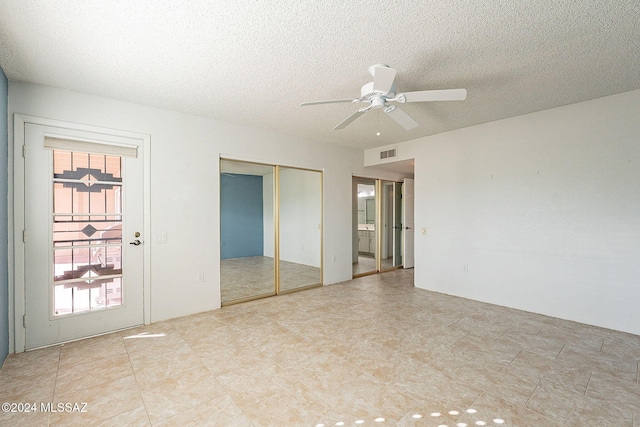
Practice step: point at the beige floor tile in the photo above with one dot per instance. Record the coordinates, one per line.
(92, 373)
(621, 368)
(103, 401)
(379, 362)
(443, 358)
(438, 393)
(197, 324)
(32, 362)
(619, 394)
(92, 349)
(295, 406)
(154, 365)
(487, 348)
(497, 379)
(173, 395)
(156, 338)
(255, 383)
(625, 346)
(573, 337)
(560, 372)
(221, 338)
(490, 408)
(231, 363)
(30, 376)
(137, 417)
(368, 398)
(332, 344)
(26, 388)
(22, 419)
(546, 345)
(220, 411)
(325, 372)
(572, 409)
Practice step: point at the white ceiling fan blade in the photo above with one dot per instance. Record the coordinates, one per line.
(346, 122)
(402, 118)
(383, 78)
(433, 95)
(332, 101)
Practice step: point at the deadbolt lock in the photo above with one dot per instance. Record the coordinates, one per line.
(136, 234)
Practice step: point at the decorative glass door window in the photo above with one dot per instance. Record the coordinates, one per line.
(87, 232)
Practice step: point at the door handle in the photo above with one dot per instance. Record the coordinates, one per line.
(136, 242)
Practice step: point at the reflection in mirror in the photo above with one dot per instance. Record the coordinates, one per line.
(247, 267)
(364, 251)
(391, 254)
(300, 213)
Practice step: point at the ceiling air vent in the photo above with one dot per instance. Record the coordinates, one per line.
(388, 153)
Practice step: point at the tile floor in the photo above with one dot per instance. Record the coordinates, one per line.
(367, 264)
(374, 351)
(252, 276)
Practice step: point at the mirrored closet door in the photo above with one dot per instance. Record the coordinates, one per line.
(247, 265)
(300, 228)
(391, 226)
(270, 230)
(366, 227)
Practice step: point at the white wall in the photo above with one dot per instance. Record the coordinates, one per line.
(185, 186)
(544, 209)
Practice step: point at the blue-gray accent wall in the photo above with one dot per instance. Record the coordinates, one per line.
(241, 209)
(4, 221)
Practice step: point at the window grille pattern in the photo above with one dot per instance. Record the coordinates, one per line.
(87, 231)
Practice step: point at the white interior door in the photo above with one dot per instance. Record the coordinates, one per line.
(408, 222)
(83, 207)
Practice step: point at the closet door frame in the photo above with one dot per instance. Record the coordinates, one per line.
(276, 229)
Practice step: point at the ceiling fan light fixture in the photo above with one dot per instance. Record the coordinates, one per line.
(378, 102)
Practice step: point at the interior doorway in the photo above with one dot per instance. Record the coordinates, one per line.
(382, 223)
(378, 228)
(365, 226)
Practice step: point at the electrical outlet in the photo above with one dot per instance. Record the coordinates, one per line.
(465, 268)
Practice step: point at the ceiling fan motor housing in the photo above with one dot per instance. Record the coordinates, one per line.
(377, 99)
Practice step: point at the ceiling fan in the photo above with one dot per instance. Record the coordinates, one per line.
(382, 90)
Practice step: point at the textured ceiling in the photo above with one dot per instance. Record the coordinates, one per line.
(254, 62)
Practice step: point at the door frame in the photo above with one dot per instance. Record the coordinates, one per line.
(408, 213)
(378, 185)
(17, 310)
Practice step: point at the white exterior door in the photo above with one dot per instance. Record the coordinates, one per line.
(83, 220)
(408, 223)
